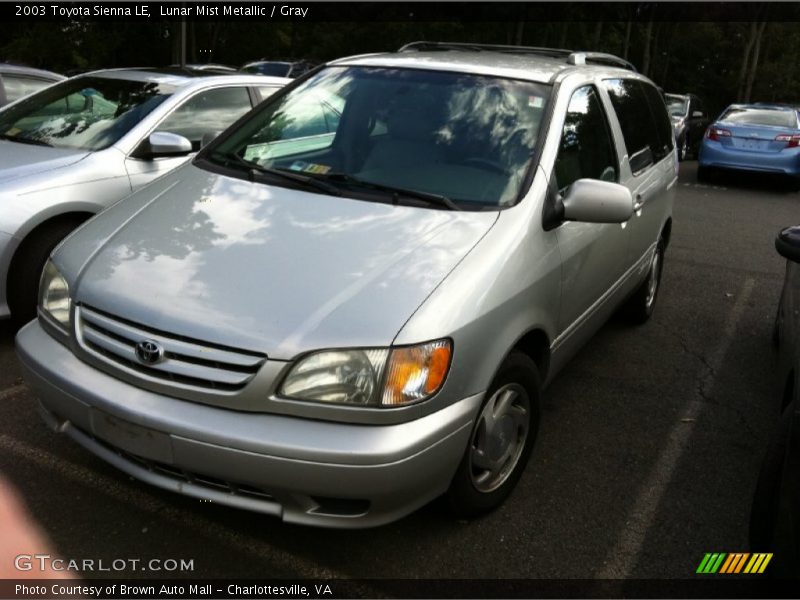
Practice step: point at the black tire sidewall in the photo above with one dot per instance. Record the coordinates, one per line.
(465, 500)
(26, 268)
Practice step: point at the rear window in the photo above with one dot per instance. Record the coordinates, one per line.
(760, 116)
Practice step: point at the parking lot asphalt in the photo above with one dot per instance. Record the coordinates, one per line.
(647, 455)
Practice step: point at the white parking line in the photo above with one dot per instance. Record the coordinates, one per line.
(12, 391)
(623, 557)
(279, 557)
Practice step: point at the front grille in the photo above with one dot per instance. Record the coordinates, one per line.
(178, 474)
(185, 361)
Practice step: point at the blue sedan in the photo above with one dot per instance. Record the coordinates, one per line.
(753, 137)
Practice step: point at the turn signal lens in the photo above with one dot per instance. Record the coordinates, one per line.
(416, 372)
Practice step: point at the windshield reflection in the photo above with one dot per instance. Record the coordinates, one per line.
(89, 113)
(466, 137)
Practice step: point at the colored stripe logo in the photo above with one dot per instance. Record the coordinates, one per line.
(734, 562)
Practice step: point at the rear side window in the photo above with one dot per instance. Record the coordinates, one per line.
(643, 118)
(586, 150)
(663, 126)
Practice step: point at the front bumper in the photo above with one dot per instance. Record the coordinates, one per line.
(305, 471)
(714, 154)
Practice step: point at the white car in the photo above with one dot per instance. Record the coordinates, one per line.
(73, 149)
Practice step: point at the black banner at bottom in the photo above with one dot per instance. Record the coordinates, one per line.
(169, 589)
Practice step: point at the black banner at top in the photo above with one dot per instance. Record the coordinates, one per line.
(322, 11)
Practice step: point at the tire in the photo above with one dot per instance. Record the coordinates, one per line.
(683, 149)
(492, 464)
(27, 264)
(764, 508)
(640, 306)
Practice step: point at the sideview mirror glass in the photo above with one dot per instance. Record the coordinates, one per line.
(698, 114)
(788, 243)
(595, 201)
(163, 143)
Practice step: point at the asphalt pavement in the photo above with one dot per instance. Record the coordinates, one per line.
(647, 456)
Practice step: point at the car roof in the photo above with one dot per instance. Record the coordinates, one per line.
(517, 62)
(178, 77)
(20, 70)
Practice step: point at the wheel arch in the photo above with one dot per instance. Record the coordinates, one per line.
(536, 345)
(75, 216)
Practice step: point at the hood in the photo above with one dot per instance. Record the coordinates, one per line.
(265, 268)
(22, 160)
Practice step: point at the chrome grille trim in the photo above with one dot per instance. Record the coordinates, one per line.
(185, 361)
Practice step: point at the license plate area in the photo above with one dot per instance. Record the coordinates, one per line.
(138, 440)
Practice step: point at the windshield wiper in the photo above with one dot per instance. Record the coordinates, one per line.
(428, 197)
(254, 169)
(22, 140)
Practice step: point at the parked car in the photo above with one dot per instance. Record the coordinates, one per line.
(336, 319)
(95, 138)
(210, 67)
(689, 120)
(749, 137)
(17, 82)
(775, 514)
(278, 68)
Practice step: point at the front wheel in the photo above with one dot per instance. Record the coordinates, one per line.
(501, 440)
(27, 264)
(683, 149)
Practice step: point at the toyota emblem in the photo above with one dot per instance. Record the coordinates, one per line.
(149, 352)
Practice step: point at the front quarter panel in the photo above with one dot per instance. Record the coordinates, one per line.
(508, 285)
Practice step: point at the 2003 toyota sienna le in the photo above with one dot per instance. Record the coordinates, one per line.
(347, 305)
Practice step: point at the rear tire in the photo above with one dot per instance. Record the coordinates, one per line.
(27, 264)
(501, 440)
(639, 307)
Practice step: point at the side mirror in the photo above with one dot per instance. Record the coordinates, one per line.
(595, 201)
(163, 143)
(788, 243)
(698, 114)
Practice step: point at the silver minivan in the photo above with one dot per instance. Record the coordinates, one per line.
(348, 304)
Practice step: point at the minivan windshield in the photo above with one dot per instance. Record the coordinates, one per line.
(392, 134)
(89, 113)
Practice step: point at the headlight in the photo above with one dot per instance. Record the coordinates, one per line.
(370, 377)
(54, 295)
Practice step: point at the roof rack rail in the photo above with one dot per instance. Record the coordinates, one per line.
(573, 58)
(422, 46)
(599, 58)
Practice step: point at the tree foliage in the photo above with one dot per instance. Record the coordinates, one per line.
(752, 58)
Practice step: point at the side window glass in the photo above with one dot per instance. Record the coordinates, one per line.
(665, 137)
(643, 118)
(266, 91)
(586, 149)
(208, 112)
(635, 120)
